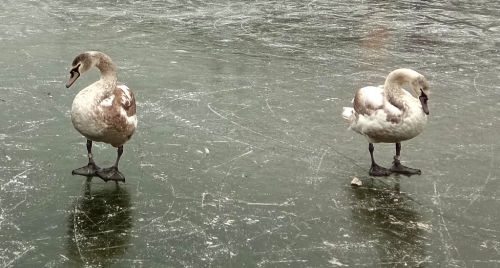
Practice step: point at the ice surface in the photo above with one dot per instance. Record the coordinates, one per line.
(241, 157)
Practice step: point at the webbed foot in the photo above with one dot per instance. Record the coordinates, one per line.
(398, 168)
(110, 174)
(89, 170)
(377, 170)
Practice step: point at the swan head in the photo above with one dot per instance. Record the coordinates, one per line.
(421, 87)
(81, 64)
(417, 82)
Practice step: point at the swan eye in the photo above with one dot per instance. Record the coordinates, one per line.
(423, 94)
(75, 70)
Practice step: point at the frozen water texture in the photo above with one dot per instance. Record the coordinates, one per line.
(241, 157)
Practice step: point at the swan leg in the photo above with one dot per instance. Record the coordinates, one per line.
(398, 168)
(90, 169)
(376, 170)
(112, 173)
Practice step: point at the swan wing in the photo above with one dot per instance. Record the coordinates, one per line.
(118, 110)
(127, 104)
(369, 100)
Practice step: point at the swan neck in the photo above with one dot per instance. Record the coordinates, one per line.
(393, 86)
(393, 91)
(108, 71)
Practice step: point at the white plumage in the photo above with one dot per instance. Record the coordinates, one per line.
(390, 114)
(104, 111)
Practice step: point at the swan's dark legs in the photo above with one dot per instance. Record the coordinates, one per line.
(398, 168)
(90, 169)
(112, 173)
(375, 169)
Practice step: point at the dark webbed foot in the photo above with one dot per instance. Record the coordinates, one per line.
(110, 174)
(89, 170)
(398, 168)
(377, 170)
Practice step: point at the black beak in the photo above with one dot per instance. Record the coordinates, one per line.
(423, 100)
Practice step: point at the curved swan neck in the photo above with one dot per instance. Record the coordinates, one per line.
(102, 62)
(399, 77)
(395, 81)
(107, 68)
(393, 87)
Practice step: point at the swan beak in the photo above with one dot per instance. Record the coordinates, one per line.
(72, 79)
(423, 100)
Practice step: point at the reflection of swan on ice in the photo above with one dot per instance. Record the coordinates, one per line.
(99, 226)
(390, 225)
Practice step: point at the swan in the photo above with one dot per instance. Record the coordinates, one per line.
(102, 112)
(390, 114)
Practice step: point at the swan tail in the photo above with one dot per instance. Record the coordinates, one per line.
(348, 113)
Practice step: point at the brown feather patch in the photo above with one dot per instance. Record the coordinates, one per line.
(363, 108)
(126, 98)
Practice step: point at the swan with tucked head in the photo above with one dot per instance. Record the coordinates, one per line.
(103, 112)
(390, 114)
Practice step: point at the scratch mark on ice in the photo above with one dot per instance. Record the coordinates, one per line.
(263, 204)
(320, 161)
(75, 229)
(19, 256)
(476, 86)
(437, 202)
(104, 248)
(232, 160)
(258, 133)
(203, 198)
(481, 189)
(164, 215)
(270, 108)
(336, 262)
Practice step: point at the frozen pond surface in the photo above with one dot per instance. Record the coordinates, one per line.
(241, 157)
